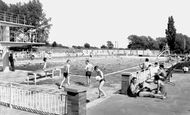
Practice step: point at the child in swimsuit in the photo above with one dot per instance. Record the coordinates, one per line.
(101, 79)
(89, 70)
(65, 71)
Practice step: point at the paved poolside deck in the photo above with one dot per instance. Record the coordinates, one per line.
(177, 102)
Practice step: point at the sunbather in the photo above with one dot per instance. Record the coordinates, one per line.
(137, 89)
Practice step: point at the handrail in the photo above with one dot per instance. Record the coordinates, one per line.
(11, 17)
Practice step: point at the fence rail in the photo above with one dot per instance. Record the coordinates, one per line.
(37, 100)
(10, 17)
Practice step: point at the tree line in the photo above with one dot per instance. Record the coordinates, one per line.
(109, 45)
(177, 42)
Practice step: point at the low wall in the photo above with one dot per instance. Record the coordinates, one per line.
(87, 52)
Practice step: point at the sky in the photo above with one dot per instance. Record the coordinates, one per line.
(76, 22)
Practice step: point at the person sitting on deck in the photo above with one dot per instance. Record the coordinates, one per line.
(137, 89)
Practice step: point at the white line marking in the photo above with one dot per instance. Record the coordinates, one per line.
(120, 71)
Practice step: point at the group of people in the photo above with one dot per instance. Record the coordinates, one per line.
(156, 76)
(89, 69)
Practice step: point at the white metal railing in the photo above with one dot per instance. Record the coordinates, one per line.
(10, 17)
(37, 100)
(23, 37)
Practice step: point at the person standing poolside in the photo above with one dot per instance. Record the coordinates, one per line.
(154, 70)
(145, 66)
(185, 69)
(65, 71)
(101, 79)
(11, 60)
(45, 65)
(89, 70)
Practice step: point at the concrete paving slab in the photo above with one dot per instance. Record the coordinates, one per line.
(9, 111)
(177, 102)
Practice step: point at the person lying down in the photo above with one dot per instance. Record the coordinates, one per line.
(137, 89)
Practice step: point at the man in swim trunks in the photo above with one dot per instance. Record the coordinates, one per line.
(89, 70)
(65, 71)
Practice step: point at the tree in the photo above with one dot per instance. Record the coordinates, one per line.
(135, 42)
(103, 47)
(87, 45)
(47, 43)
(142, 42)
(161, 42)
(54, 44)
(3, 6)
(171, 33)
(182, 43)
(110, 45)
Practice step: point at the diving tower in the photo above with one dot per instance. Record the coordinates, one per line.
(166, 49)
(10, 20)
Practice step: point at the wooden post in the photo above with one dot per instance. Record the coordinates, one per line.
(125, 83)
(76, 100)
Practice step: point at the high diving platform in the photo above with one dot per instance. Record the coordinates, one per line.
(18, 38)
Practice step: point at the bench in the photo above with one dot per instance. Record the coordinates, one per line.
(38, 74)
